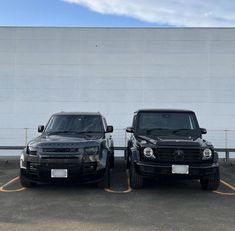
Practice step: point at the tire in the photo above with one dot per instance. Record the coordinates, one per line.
(136, 180)
(26, 183)
(112, 161)
(127, 159)
(211, 183)
(105, 182)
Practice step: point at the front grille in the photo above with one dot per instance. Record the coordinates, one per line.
(60, 156)
(63, 150)
(59, 165)
(183, 155)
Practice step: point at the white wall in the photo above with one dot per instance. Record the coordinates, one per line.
(116, 71)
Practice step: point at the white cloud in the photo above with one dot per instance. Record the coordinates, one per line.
(192, 13)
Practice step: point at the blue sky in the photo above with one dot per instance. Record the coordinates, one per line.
(118, 13)
(60, 13)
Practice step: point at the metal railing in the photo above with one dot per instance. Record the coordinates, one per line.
(227, 151)
(224, 138)
(17, 138)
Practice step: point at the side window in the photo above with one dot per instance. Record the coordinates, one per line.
(134, 119)
(105, 123)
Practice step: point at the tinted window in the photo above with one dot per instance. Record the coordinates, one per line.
(166, 121)
(79, 123)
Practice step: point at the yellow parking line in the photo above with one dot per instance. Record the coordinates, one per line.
(8, 183)
(228, 185)
(129, 189)
(120, 192)
(223, 193)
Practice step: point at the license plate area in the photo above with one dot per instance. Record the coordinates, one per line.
(59, 173)
(180, 169)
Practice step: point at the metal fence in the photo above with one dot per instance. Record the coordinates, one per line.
(10, 137)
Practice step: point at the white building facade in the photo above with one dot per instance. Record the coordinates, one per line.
(116, 71)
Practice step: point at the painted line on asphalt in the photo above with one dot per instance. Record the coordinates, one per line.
(228, 185)
(225, 193)
(128, 190)
(11, 190)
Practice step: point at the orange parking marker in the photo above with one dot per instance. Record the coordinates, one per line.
(129, 189)
(228, 185)
(11, 190)
(223, 193)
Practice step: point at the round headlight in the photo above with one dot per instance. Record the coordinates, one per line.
(148, 152)
(207, 154)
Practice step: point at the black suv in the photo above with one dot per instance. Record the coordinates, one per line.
(75, 147)
(169, 142)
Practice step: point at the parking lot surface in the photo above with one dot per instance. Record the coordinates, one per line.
(162, 205)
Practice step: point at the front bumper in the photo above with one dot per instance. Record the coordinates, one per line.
(195, 171)
(77, 172)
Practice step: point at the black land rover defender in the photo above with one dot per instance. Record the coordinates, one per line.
(75, 147)
(169, 142)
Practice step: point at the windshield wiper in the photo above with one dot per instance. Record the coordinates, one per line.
(58, 132)
(155, 129)
(180, 130)
(82, 132)
(152, 129)
(71, 131)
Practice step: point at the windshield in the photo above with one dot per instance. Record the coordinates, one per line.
(75, 124)
(161, 122)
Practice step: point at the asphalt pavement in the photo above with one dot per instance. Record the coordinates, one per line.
(162, 205)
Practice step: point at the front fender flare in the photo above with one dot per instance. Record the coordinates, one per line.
(135, 154)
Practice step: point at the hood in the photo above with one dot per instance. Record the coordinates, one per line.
(189, 142)
(177, 141)
(59, 140)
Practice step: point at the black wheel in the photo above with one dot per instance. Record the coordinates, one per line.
(105, 182)
(136, 180)
(211, 182)
(112, 161)
(26, 183)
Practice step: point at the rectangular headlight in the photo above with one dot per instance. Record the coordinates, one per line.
(91, 150)
(32, 150)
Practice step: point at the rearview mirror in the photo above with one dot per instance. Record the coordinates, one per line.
(130, 129)
(109, 129)
(40, 128)
(203, 130)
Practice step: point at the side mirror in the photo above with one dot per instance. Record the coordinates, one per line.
(40, 128)
(203, 130)
(130, 129)
(109, 129)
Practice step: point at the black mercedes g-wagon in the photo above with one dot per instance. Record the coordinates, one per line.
(73, 147)
(169, 142)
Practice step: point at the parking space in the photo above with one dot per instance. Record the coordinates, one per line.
(161, 205)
